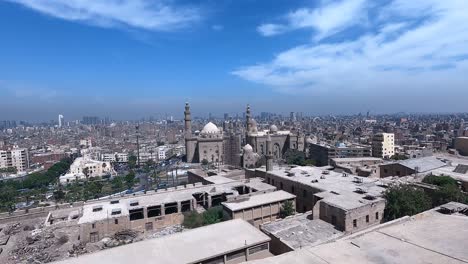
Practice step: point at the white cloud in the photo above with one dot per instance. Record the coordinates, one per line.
(156, 15)
(327, 19)
(401, 55)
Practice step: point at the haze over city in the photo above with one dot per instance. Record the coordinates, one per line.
(133, 59)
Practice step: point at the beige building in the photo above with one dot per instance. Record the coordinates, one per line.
(461, 145)
(350, 203)
(212, 144)
(383, 145)
(258, 209)
(83, 165)
(17, 158)
(229, 242)
(161, 208)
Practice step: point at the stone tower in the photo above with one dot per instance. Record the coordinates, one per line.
(190, 141)
(269, 154)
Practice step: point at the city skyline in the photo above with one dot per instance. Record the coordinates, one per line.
(136, 58)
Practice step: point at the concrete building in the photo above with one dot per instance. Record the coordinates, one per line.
(383, 145)
(15, 158)
(322, 153)
(435, 236)
(350, 203)
(258, 209)
(162, 208)
(60, 121)
(410, 167)
(85, 167)
(461, 145)
(298, 231)
(228, 242)
(365, 166)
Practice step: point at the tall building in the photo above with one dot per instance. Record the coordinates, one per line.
(60, 121)
(17, 158)
(383, 145)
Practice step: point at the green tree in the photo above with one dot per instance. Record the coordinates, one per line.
(204, 162)
(117, 184)
(132, 161)
(213, 215)
(130, 179)
(192, 220)
(287, 209)
(403, 200)
(440, 180)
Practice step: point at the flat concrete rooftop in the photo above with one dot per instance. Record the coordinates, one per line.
(191, 246)
(301, 230)
(429, 237)
(258, 200)
(163, 197)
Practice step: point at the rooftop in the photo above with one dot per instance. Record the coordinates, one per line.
(429, 237)
(192, 246)
(257, 200)
(423, 164)
(301, 230)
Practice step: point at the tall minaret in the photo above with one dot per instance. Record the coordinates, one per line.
(269, 154)
(247, 124)
(189, 146)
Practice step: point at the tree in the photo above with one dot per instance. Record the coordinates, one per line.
(132, 161)
(440, 180)
(448, 190)
(192, 220)
(117, 184)
(130, 179)
(86, 173)
(204, 162)
(403, 200)
(211, 216)
(287, 209)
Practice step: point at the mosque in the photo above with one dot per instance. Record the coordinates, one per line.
(215, 145)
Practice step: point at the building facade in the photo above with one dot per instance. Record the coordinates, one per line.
(17, 158)
(383, 145)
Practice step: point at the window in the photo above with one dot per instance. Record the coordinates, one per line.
(385, 171)
(170, 208)
(93, 237)
(272, 182)
(93, 225)
(354, 223)
(136, 214)
(116, 221)
(116, 211)
(304, 193)
(97, 208)
(185, 206)
(377, 215)
(114, 201)
(236, 255)
(134, 203)
(154, 211)
(367, 218)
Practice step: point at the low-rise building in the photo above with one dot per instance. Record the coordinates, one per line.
(411, 166)
(435, 236)
(82, 168)
(228, 242)
(258, 209)
(461, 145)
(364, 166)
(350, 203)
(322, 153)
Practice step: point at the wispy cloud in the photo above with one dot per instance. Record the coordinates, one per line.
(154, 15)
(326, 19)
(423, 50)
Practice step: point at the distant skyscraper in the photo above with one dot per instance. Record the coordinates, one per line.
(226, 116)
(293, 116)
(60, 120)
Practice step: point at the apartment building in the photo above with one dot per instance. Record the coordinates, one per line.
(17, 158)
(322, 153)
(383, 145)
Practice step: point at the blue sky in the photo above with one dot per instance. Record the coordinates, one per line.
(135, 58)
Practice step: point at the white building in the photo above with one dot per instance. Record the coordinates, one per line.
(164, 152)
(60, 121)
(383, 145)
(114, 157)
(17, 158)
(95, 169)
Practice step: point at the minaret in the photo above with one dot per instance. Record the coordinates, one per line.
(247, 124)
(189, 146)
(269, 155)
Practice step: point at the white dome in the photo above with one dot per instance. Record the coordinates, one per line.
(273, 128)
(210, 128)
(248, 148)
